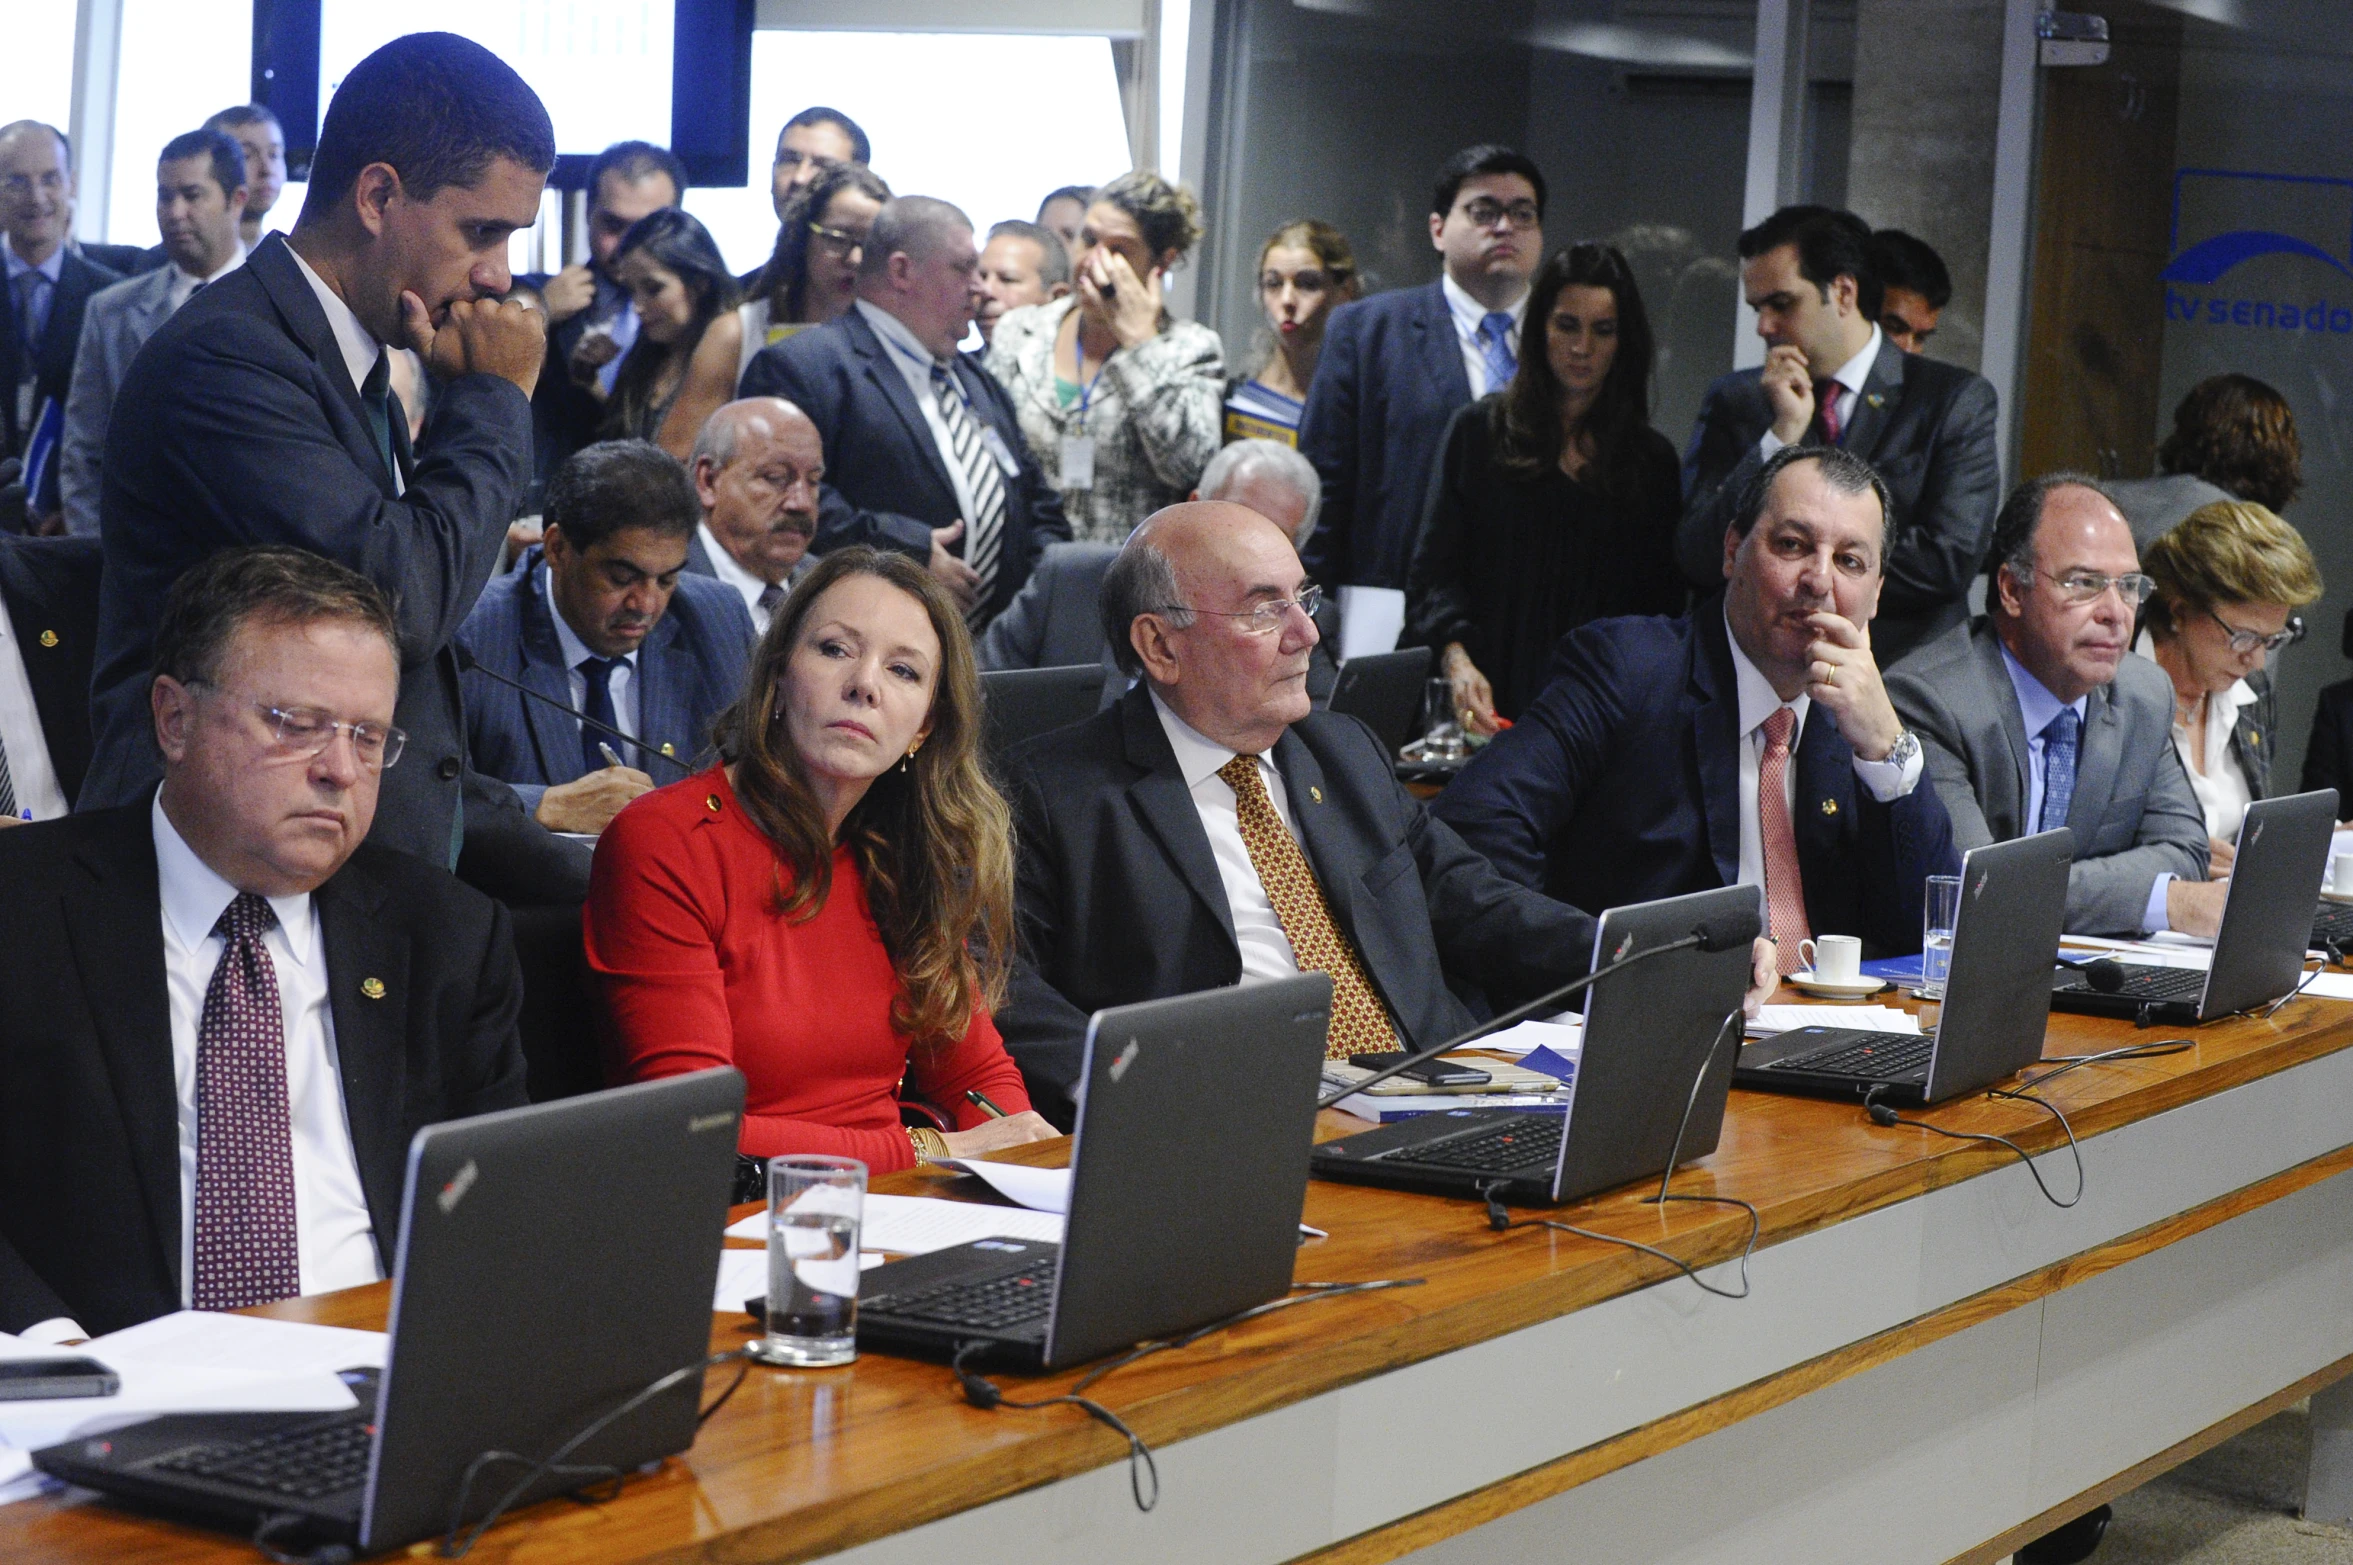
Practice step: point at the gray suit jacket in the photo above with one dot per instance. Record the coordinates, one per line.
(1056, 620)
(118, 319)
(2133, 814)
(2154, 506)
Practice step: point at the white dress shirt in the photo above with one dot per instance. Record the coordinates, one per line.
(1850, 378)
(1887, 780)
(725, 568)
(38, 796)
(185, 282)
(622, 684)
(1468, 313)
(915, 365)
(1266, 950)
(2223, 790)
(359, 346)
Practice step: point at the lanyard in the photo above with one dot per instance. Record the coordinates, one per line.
(1078, 356)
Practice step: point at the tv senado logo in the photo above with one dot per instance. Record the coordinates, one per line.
(2226, 218)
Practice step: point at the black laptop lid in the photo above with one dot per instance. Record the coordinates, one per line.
(553, 1261)
(1195, 1119)
(1385, 689)
(1997, 1002)
(1022, 703)
(2267, 914)
(1647, 1033)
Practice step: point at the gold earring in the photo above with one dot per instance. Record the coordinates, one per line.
(910, 755)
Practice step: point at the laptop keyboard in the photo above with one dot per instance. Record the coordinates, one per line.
(1532, 1142)
(1873, 1056)
(301, 1464)
(1013, 1299)
(2155, 983)
(2332, 924)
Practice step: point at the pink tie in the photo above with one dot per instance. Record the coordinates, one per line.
(1785, 891)
(1826, 395)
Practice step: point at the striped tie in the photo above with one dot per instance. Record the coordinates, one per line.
(984, 530)
(1785, 891)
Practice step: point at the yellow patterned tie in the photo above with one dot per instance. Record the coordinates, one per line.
(1360, 1025)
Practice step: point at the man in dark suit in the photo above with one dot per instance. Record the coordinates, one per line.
(2040, 715)
(260, 411)
(1750, 743)
(49, 282)
(1212, 827)
(1397, 366)
(600, 617)
(49, 592)
(1831, 377)
(923, 453)
(757, 467)
(225, 1015)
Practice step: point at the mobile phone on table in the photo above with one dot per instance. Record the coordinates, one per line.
(30, 1380)
(1433, 1073)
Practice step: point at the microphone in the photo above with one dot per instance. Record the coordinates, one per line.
(2102, 973)
(1735, 931)
(470, 664)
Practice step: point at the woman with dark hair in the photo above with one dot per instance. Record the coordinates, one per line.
(681, 368)
(2233, 438)
(1555, 502)
(831, 910)
(1306, 270)
(812, 275)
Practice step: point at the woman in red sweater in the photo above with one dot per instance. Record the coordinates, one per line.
(832, 909)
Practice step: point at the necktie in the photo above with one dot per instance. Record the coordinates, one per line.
(245, 1246)
(599, 705)
(1360, 1023)
(7, 784)
(1495, 349)
(375, 393)
(33, 290)
(1826, 395)
(985, 530)
(2059, 745)
(770, 596)
(1785, 888)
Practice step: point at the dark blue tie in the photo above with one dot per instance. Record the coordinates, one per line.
(599, 705)
(375, 394)
(2059, 743)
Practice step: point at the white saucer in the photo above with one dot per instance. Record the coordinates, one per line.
(2327, 895)
(1829, 990)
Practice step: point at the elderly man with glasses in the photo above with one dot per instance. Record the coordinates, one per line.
(2042, 716)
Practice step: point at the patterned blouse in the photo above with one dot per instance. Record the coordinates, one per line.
(1152, 412)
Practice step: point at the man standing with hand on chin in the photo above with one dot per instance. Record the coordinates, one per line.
(261, 412)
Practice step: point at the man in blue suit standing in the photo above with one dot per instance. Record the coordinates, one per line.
(1397, 366)
(599, 617)
(1749, 743)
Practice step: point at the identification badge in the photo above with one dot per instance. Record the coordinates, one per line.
(1078, 461)
(994, 444)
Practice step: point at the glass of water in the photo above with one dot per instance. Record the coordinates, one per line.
(1939, 908)
(814, 1208)
(1442, 738)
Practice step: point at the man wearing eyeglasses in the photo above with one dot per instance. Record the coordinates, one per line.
(226, 1014)
(2041, 716)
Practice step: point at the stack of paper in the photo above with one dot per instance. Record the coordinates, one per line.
(1771, 1019)
(918, 1225)
(1563, 1035)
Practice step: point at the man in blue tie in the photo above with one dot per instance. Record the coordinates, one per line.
(2041, 717)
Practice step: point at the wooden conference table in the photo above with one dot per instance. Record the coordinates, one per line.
(1934, 1363)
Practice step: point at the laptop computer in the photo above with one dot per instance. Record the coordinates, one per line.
(1195, 1115)
(1385, 689)
(1997, 995)
(1648, 1034)
(553, 1262)
(2266, 923)
(1022, 703)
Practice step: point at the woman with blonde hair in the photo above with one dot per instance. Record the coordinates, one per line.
(2229, 580)
(831, 910)
(1117, 399)
(1306, 270)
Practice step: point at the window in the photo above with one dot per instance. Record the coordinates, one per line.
(179, 64)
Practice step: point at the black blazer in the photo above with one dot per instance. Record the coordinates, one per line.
(2328, 758)
(1118, 898)
(1928, 427)
(1388, 382)
(78, 277)
(89, 1123)
(1621, 784)
(51, 588)
(884, 481)
(237, 424)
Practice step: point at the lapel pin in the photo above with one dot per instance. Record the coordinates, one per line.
(373, 988)
(1876, 400)
(49, 638)
(1315, 793)
(711, 802)
(666, 750)
(1830, 806)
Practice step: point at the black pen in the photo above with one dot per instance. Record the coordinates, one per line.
(980, 1100)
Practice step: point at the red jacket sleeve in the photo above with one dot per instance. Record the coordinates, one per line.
(978, 1061)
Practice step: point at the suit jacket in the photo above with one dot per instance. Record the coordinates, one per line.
(52, 358)
(2133, 814)
(690, 668)
(118, 321)
(1388, 382)
(51, 588)
(2328, 757)
(1621, 783)
(125, 260)
(884, 481)
(2254, 739)
(1928, 427)
(89, 1126)
(1056, 620)
(1118, 898)
(239, 424)
(563, 416)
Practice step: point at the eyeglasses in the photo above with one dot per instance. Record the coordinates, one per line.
(1486, 213)
(304, 731)
(838, 240)
(1267, 617)
(2081, 587)
(2246, 641)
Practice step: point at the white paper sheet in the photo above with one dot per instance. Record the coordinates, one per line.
(918, 1225)
(1771, 1019)
(1564, 1035)
(1371, 620)
(1039, 1189)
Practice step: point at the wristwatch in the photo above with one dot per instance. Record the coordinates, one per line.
(1904, 751)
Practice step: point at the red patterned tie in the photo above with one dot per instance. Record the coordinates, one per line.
(1785, 891)
(1826, 394)
(245, 1237)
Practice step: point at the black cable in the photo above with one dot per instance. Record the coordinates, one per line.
(1884, 1114)
(2302, 984)
(273, 1525)
(2136, 1051)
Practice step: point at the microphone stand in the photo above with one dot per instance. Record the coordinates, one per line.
(469, 664)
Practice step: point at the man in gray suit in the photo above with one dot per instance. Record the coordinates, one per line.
(2038, 716)
(199, 201)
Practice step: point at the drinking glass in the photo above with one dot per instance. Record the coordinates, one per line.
(1939, 908)
(1442, 738)
(814, 1208)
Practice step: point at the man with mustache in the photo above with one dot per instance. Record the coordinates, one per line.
(2041, 717)
(757, 464)
(1749, 743)
(600, 616)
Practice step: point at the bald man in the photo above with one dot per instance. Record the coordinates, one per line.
(757, 464)
(1211, 827)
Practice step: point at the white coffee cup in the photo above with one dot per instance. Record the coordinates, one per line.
(1838, 959)
(2340, 874)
